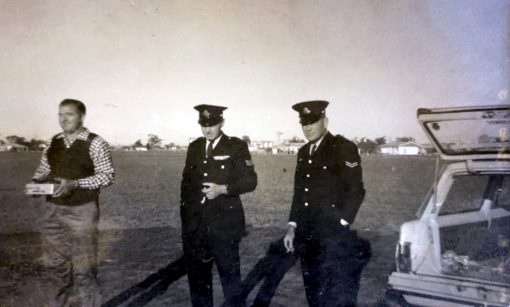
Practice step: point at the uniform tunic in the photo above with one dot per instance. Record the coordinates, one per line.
(328, 187)
(328, 191)
(212, 229)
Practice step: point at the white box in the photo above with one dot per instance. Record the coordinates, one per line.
(39, 188)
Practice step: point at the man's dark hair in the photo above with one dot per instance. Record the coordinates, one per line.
(80, 106)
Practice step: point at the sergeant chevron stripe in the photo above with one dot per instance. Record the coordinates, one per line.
(351, 164)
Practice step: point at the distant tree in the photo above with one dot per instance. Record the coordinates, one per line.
(247, 139)
(35, 144)
(12, 139)
(295, 139)
(367, 146)
(381, 140)
(153, 142)
(138, 143)
(16, 140)
(172, 145)
(405, 139)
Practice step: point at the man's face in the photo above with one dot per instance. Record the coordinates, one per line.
(70, 118)
(315, 130)
(212, 132)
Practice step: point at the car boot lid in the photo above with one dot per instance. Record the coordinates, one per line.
(468, 133)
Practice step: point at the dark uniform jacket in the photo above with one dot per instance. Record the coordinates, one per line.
(223, 217)
(328, 187)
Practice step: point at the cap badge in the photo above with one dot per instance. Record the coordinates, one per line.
(206, 114)
(306, 111)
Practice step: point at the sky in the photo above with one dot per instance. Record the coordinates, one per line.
(141, 66)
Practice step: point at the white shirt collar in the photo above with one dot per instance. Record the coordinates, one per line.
(83, 135)
(214, 143)
(317, 143)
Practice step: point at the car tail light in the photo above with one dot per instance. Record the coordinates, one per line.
(403, 257)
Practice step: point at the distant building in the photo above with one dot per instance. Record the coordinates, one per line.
(13, 147)
(8, 146)
(262, 144)
(288, 147)
(401, 148)
(292, 147)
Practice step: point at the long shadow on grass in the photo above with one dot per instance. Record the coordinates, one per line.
(270, 270)
(153, 286)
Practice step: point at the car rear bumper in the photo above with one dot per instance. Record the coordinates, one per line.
(425, 290)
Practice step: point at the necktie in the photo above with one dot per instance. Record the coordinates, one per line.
(209, 149)
(314, 147)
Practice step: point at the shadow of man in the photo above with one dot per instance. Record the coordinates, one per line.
(270, 270)
(154, 285)
(277, 262)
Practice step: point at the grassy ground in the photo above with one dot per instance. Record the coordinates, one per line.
(140, 221)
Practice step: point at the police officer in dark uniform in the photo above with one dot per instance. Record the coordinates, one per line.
(328, 191)
(218, 169)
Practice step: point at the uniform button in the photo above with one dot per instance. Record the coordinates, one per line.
(333, 205)
(324, 167)
(307, 175)
(306, 189)
(306, 204)
(205, 161)
(310, 161)
(205, 174)
(223, 166)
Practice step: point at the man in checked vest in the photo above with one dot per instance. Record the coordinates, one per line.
(79, 163)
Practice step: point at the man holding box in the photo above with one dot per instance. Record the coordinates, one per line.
(79, 163)
(218, 169)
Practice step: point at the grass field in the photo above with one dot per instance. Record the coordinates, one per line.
(146, 192)
(146, 196)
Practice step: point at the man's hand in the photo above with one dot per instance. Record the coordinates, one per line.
(288, 240)
(65, 187)
(213, 190)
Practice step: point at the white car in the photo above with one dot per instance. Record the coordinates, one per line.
(457, 252)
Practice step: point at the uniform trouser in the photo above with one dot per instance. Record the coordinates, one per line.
(70, 245)
(200, 275)
(330, 273)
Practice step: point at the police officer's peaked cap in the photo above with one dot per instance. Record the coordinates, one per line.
(311, 111)
(209, 115)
